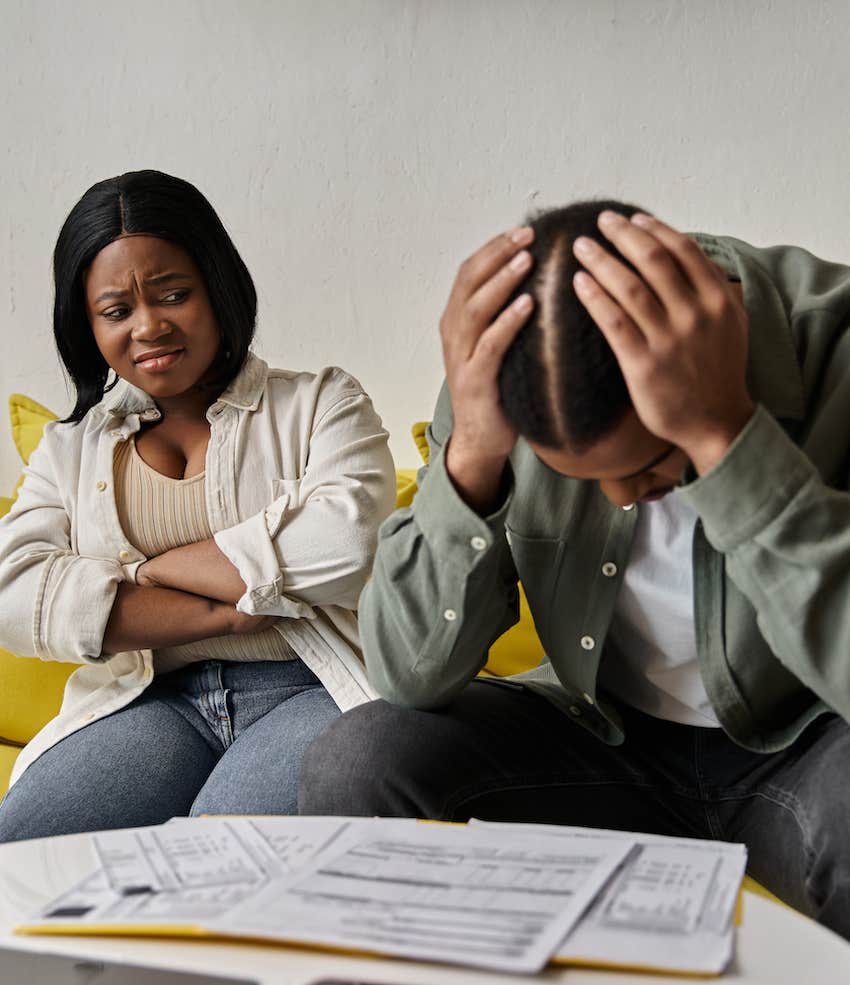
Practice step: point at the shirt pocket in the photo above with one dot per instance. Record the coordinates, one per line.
(538, 563)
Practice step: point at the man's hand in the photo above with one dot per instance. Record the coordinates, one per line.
(476, 333)
(679, 334)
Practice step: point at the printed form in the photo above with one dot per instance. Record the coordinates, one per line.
(434, 893)
(448, 893)
(670, 907)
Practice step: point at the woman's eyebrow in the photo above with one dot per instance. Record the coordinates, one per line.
(155, 281)
(656, 461)
(167, 278)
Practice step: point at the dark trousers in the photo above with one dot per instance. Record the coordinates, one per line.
(502, 753)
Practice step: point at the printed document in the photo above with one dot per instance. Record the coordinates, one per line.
(670, 907)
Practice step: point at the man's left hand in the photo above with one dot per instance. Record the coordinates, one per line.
(679, 332)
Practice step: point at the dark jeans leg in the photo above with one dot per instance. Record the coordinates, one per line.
(792, 809)
(499, 753)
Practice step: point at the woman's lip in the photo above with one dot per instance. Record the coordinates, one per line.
(158, 364)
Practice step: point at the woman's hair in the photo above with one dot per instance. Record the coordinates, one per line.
(560, 382)
(154, 204)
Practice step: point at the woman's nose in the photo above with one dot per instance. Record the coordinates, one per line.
(148, 324)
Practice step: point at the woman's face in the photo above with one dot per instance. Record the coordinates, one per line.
(151, 315)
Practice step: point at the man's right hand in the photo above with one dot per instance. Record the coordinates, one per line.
(476, 333)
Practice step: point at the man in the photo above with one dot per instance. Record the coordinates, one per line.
(654, 435)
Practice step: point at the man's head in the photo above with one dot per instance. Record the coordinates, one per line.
(561, 386)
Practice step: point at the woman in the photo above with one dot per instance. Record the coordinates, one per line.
(195, 534)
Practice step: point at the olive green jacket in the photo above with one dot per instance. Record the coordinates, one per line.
(771, 549)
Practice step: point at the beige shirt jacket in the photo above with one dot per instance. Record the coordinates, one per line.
(298, 479)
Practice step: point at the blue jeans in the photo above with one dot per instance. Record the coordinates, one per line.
(503, 753)
(211, 738)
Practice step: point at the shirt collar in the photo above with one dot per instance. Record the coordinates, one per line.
(244, 392)
(773, 369)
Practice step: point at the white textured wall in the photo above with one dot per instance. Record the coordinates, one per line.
(358, 150)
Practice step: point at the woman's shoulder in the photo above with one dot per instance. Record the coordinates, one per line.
(317, 389)
(68, 434)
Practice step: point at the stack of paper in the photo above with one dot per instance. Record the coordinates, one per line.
(505, 897)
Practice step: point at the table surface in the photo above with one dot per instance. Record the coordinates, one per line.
(775, 945)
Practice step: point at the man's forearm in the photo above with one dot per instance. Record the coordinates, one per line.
(200, 568)
(147, 618)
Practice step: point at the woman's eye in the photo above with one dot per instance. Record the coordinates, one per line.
(175, 297)
(114, 314)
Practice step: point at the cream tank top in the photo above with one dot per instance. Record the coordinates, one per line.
(158, 513)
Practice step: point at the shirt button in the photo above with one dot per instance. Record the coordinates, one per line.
(123, 555)
(575, 710)
(609, 569)
(450, 615)
(631, 506)
(89, 716)
(587, 698)
(478, 543)
(588, 642)
(115, 434)
(100, 485)
(147, 677)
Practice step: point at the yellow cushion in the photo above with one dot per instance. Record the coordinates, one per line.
(31, 689)
(405, 487)
(32, 693)
(28, 420)
(519, 648)
(8, 755)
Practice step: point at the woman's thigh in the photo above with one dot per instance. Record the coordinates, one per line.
(260, 771)
(141, 765)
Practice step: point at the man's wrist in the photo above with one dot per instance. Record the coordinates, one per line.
(477, 478)
(708, 449)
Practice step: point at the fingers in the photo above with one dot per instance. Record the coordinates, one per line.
(702, 273)
(656, 267)
(496, 340)
(482, 287)
(623, 335)
(492, 296)
(477, 269)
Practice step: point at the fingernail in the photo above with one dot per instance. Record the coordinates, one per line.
(608, 218)
(582, 282)
(520, 261)
(523, 303)
(521, 235)
(642, 219)
(584, 247)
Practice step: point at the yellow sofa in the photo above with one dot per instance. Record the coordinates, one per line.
(30, 690)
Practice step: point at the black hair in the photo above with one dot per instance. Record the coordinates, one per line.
(155, 204)
(560, 382)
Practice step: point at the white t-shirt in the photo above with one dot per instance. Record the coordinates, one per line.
(653, 663)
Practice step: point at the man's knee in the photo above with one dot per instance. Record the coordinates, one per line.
(367, 762)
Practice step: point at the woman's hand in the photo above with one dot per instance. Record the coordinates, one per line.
(242, 625)
(199, 568)
(476, 334)
(679, 332)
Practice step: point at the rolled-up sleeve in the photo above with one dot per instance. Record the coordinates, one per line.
(314, 544)
(55, 603)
